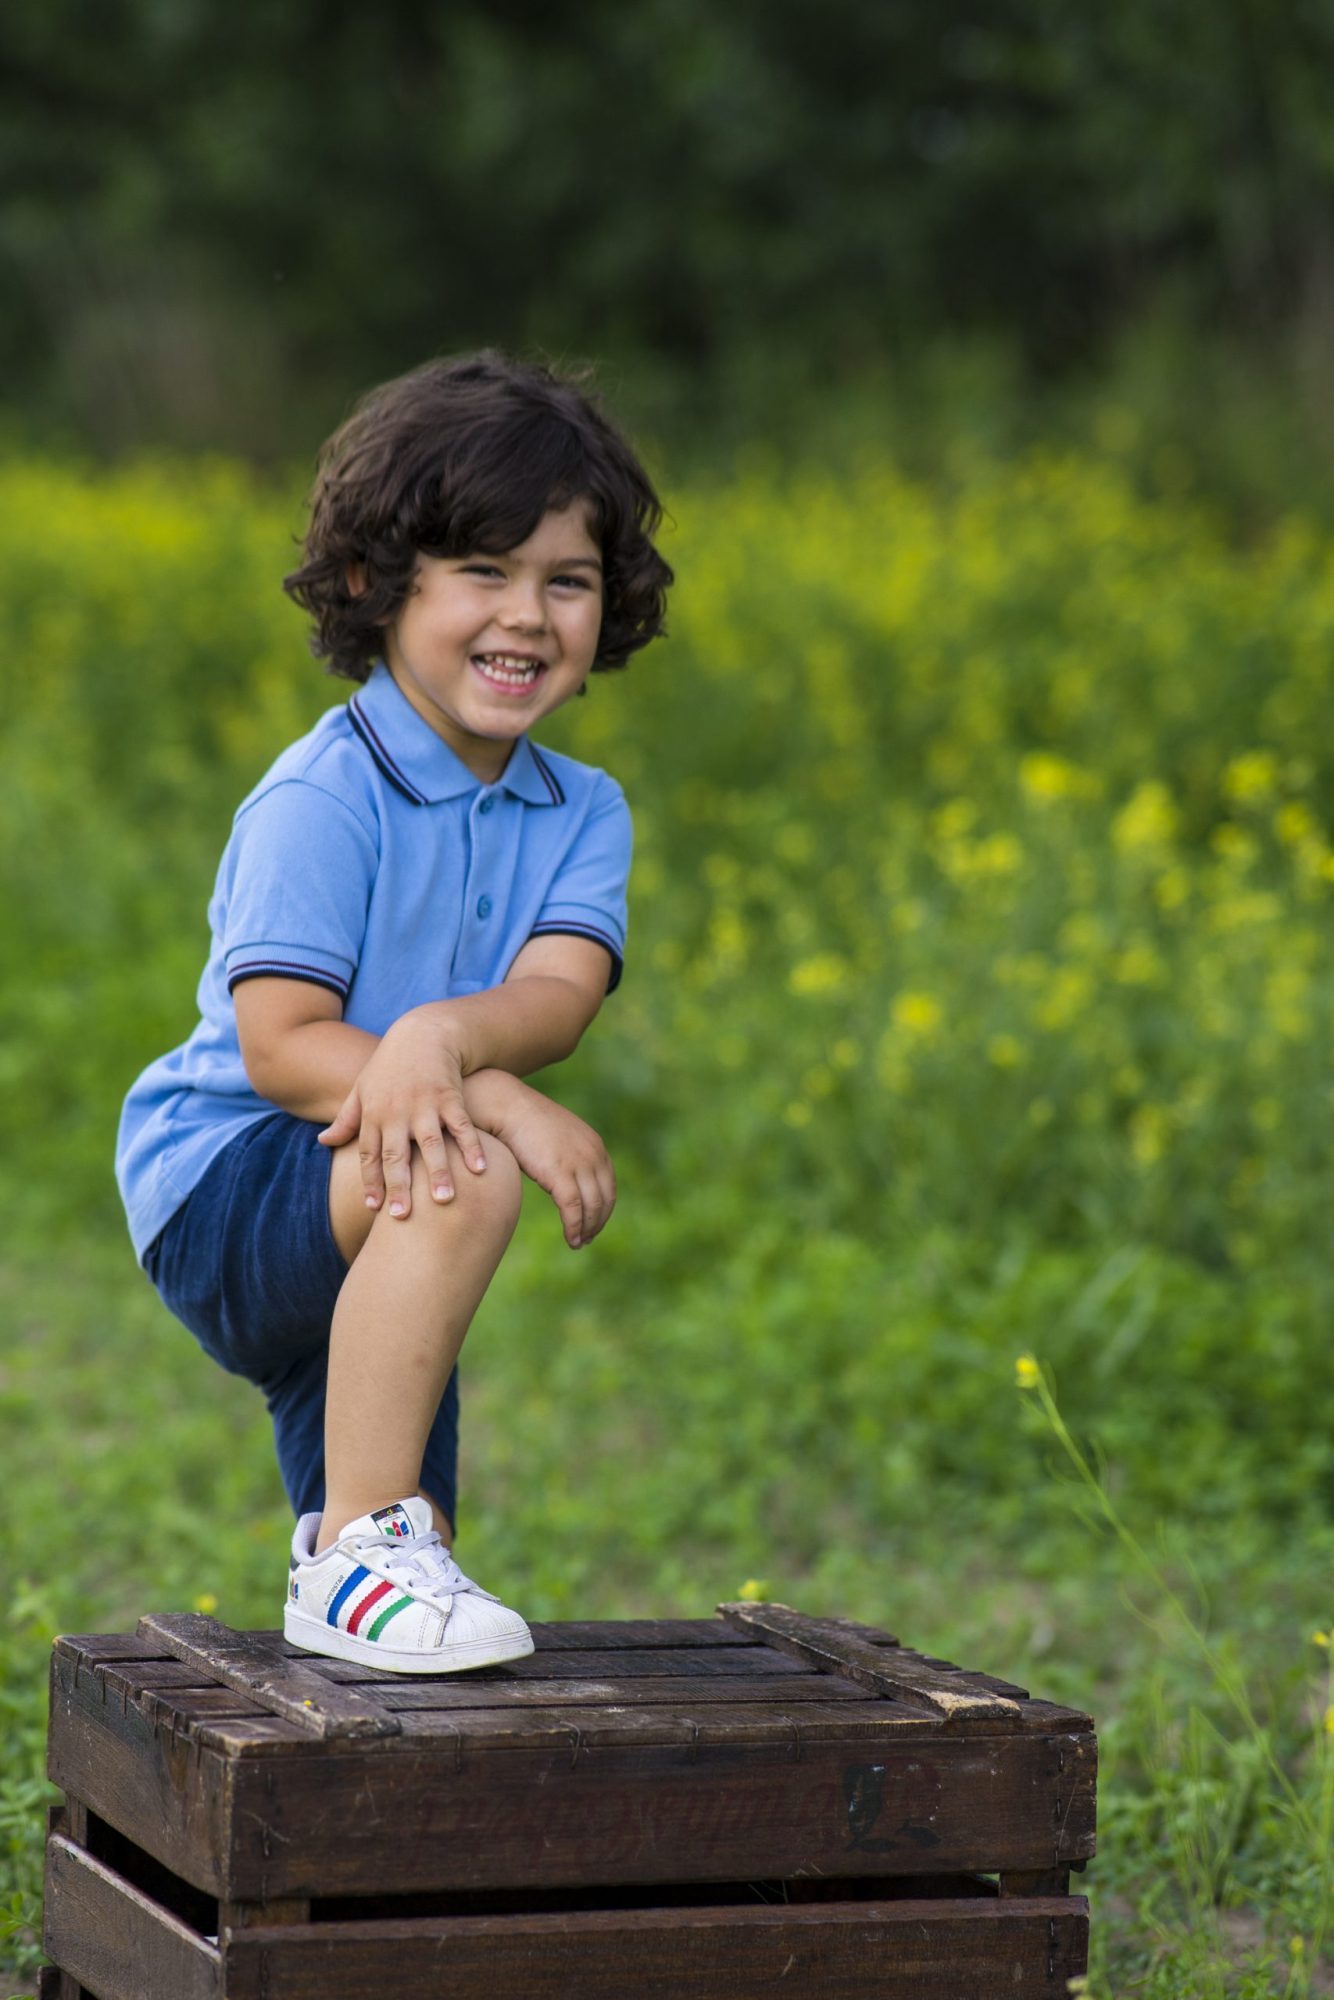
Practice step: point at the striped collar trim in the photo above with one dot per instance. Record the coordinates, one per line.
(420, 765)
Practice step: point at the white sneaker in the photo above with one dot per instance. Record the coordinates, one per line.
(389, 1594)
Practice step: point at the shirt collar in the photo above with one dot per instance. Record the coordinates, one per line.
(421, 765)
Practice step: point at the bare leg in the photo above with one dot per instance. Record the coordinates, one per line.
(400, 1320)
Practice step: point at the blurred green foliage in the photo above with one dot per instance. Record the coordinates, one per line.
(978, 1001)
(206, 236)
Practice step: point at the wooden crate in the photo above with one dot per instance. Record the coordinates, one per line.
(691, 1809)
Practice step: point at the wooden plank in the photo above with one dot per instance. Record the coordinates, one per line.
(897, 1801)
(115, 1940)
(883, 1670)
(254, 1666)
(615, 1635)
(915, 1950)
(165, 1791)
(752, 1661)
(607, 1635)
(94, 1647)
(453, 1691)
(133, 1676)
(740, 1724)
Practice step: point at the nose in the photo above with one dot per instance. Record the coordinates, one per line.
(525, 608)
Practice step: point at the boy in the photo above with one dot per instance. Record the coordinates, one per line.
(416, 908)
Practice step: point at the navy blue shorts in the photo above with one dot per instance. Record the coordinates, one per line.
(249, 1264)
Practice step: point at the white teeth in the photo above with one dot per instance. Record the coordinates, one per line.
(505, 668)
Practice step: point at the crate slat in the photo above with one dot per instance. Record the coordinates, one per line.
(455, 1691)
(254, 1666)
(928, 1950)
(851, 1804)
(751, 1661)
(884, 1670)
(114, 1940)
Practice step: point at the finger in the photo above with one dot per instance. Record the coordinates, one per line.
(590, 1195)
(396, 1153)
(607, 1191)
(372, 1173)
(431, 1145)
(565, 1193)
(454, 1117)
(346, 1125)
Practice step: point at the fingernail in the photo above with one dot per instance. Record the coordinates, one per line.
(479, 1164)
(440, 1191)
(396, 1208)
(372, 1201)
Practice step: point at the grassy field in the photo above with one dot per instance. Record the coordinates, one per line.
(977, 1007)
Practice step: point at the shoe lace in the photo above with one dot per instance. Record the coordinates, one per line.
(423, 1563)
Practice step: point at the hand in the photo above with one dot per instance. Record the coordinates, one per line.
(409, 1093)
(560, 1153)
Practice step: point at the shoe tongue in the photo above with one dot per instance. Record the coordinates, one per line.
(391, 1524)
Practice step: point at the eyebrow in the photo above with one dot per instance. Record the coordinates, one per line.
(578, 562)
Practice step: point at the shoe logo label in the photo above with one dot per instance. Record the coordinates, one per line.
(293, 1589)
(393, 1522)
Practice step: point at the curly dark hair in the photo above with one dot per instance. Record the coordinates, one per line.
(463, 457)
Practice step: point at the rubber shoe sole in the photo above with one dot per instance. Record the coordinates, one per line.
(314, 1636)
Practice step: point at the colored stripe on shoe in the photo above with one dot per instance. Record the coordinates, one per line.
(345, 1591)
(391, 1611)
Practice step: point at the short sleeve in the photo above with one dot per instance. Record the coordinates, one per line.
(294, 889)
(587, 895)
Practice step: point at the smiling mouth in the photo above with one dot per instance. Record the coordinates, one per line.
(508, 670)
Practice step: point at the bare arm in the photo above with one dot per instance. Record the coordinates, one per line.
(408, 1086)
(302, 1056)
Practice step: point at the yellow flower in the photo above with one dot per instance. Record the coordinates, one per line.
(917, 1013)
(1251, 776)
(1139, 965)
(206, 1602)
(1027, 1374)
(797, 1113)
(824, 973)
(753, 1591)
(1294, 823)
(1044, 776)
(1171, 889)
(1329, 1720)
(1320, 1639)
(1148, 820)
(1070, 989)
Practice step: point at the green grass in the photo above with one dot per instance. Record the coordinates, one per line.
(979, 1002)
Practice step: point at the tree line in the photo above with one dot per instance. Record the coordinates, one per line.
(215, 224)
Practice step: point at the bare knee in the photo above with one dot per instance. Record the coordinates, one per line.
(490, 1200)
(498, 1192)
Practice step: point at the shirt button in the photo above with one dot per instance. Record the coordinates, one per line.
(487, 803)
(483, 906)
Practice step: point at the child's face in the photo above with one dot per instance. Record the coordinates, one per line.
(486, 645)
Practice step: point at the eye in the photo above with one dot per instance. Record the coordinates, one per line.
(574, 582)
(481, 569)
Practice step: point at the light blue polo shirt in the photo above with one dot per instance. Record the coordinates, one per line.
(370, 860)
